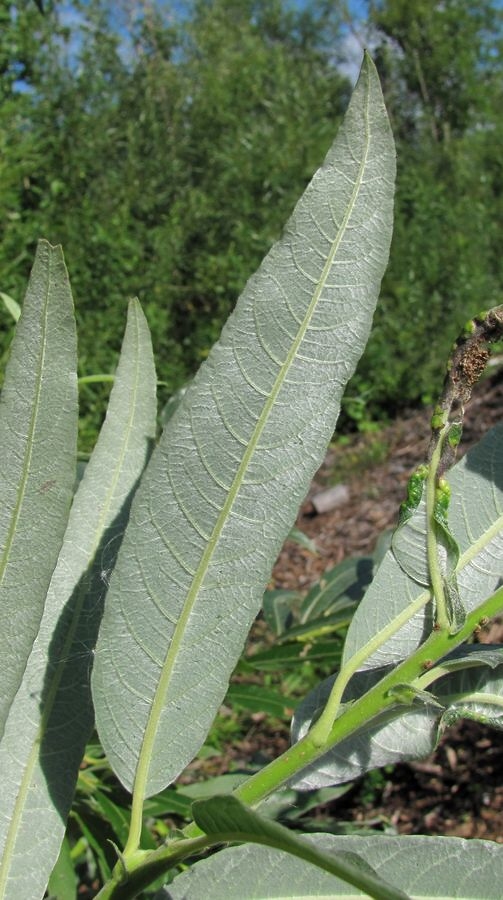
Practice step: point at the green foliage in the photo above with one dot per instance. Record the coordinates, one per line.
(176, 542)
(166, 177)
(173, 149)
(326, 609)
(441, 69)
(476, 865)
(361, 452)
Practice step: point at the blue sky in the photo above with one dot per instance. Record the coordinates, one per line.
(353, 43)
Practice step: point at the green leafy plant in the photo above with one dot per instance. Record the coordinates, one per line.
(151, 572)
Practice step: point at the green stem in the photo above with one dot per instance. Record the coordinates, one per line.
(360, 712)
(436, 580)
(321, 728)
(95, 379)
(145, 867)
(430, 676)
(135, 825)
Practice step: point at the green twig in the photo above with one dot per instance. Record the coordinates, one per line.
(361, 711)
(436, 578)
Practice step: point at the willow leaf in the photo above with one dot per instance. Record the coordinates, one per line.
(476, 523)
(222, 489)
(51, 717)
(38, 434)
(338, 587)
(423, 867)
(227, 820)
(474, 693)
(11, 305)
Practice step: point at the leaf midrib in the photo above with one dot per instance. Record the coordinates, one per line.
(481, 543)
(25, 469)
(28, 454)
(157, 706)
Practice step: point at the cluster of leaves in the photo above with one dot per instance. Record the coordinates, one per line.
(165, 154)
(151, 571)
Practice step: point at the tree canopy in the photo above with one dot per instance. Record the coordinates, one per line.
(164, 151)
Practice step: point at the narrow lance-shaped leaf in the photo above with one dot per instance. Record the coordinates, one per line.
(343, 584)
(426, 867)
(476, 523)
(38, 435)
(226, 819)
(236, 458)
(11, 305)
(277, 609)
(63, 881)
(51, 717)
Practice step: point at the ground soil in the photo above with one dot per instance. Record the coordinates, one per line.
(459, 790)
